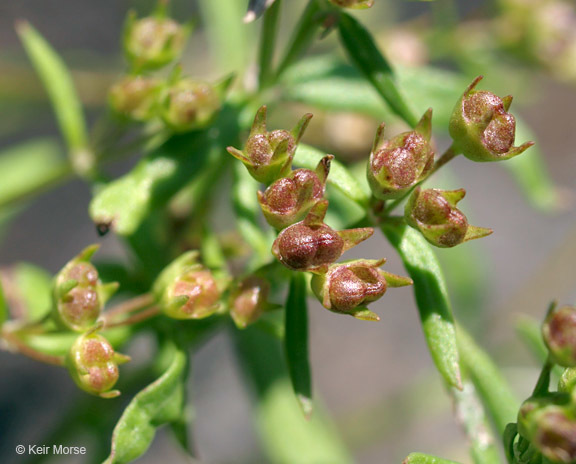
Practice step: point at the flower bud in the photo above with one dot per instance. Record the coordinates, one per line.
(433, 212)
(311, 245)
(135, 98)
(481, 127)
(79, 295)
(93, 364)
(289, 199)
(567, 381)
(248, 299)
(153, 42)
(187, 290)
(353, 4)
(188, 104)
(398, 164)
(268, 155)
(345, 288)
(559, 333)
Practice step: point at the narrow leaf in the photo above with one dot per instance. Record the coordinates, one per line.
(58, 83)
(3, 307)
(33, 287)
(431, 298)
(159, 403)
(364, 53)
(421, 458)
(296, 342)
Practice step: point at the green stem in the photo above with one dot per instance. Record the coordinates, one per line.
(268, 43)
(21, 347)
(543, 383)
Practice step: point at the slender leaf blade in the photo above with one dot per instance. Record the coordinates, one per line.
(296, 342)
(431, 298)
(3, 306)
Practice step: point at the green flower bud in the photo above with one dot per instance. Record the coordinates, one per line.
(567, 381)
(135, 98)
(311, 245)
(353, 4)
(289, 199)
(396, 165)
(93, 364)
(187, 290)
(559, 333)
(481, 127)
(347, 287)
(268, 155)
(248, 299)
(433, 212)
(188, 104)
(153, 42)
(79, 295)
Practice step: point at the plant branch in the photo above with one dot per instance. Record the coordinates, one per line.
(13, 341)
(134, 319)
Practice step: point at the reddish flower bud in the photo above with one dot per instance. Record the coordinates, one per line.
(311, 245)
(186, 290)
(289, 199)
(481, 127)
(93, 364)
(248, 299)
(433, 212)
(345, 288)
(559, 333)
(135, 98)
(79, 295)
(354, 4)
(396, 165)
(268, 155)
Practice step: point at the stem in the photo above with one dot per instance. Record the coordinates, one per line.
(130, 305)
(543, 383)
(139, 317)
(268, 43)
(447, 156)
(24, 349)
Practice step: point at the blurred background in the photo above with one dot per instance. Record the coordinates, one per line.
(376, 380)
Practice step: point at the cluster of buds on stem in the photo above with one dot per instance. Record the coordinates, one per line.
(433, 212)
(482, 128)
(396, 165)
(268, 155)
(79, 295)
(93, 364)
(187, 290)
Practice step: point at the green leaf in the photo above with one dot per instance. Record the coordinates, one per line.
(159, 403)
(58, 83)
(498, 399)
(431, 298)
(3, 307)
(268, 42)
(30, 168)
(33, 286)
(339, 177)
(286, 435)
(421, 458)
(364, 53)
(296, 342)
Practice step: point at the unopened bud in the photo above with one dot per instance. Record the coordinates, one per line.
(433, 212)
(398, 164)
(187, 290)
(559, 333)
(482, 128)
(289, 199)
(353, 4)
(248, 299)
(79, 295)
(135, 98)
(268, 155)
(346, 288)
(311, 245)
(93, 364)
(554, 433)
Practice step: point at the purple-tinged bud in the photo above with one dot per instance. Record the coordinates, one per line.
(79, 296)
(135, 98)
(311, 245)
(353, 4)
(153, 42)
(187, 290)
(482, 128)
(93, 364)
(396, 165)
(268, 155)
(347, 287)
(288, 200)
(559, 333)
(433, 212)
(248, 299)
